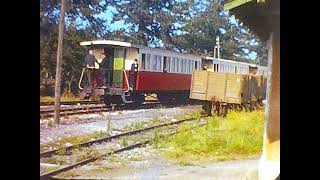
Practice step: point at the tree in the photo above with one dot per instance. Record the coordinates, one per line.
(200, 30)
(77, 12)
(150, 21)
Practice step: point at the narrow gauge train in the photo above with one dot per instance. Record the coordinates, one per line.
(162, 72)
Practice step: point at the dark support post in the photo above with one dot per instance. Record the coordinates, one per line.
(59, 65)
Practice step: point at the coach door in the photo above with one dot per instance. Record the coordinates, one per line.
(118, 67)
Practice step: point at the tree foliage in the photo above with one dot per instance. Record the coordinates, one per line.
(186, 26)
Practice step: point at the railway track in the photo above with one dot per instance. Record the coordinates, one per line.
(47, 175)
(73, 111)
(70, 103)
(46, 113)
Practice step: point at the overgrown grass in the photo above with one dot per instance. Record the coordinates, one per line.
(237, 136)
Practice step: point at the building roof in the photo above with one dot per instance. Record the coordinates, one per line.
(259, 15)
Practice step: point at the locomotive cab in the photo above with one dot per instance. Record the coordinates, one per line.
(109, 81)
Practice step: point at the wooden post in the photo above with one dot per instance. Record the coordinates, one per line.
(59, 65)
(270, 161)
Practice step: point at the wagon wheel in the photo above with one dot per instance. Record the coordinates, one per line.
(240, 107)
(259, 101)
(258, 106)
(236, 107)
(245, 107)
(255, 105)
(107, 101)
(224, 110)
(251, 107)
(206, 107)
(213, 109)
(217, 109)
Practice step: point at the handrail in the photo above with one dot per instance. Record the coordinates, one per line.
(81, 79)
(127, 82)
(125, 74)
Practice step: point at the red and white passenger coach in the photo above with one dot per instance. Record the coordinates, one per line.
(162, 72)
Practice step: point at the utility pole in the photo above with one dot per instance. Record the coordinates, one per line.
(59, 65)
(218, 46)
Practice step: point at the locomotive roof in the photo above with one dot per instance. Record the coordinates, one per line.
(127, 44)
(107, 42)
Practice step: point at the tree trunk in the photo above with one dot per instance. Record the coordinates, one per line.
(59, 65)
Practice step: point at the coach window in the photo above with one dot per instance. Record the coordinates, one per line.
(235, 69)
(154, 62)
(143, 61)
(147, 66)
(159, 63)
(165, 64)
(176, 67)
(160, 66)
(196, 65)
(193, 65)
(183, 65)
(172, 65)
(187, 66)
(168, 64)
